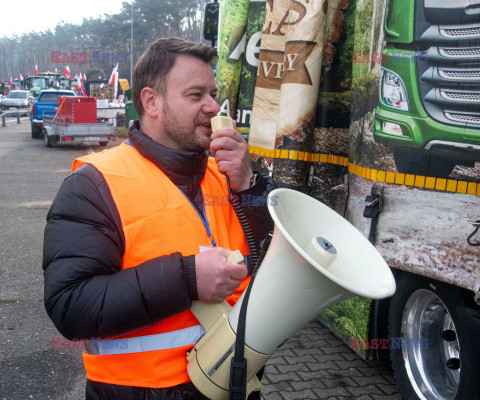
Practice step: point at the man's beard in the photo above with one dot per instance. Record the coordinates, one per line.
(187, 141)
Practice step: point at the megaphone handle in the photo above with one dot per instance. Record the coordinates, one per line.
(208, 314)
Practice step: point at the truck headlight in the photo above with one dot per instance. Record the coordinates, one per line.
(393, 92)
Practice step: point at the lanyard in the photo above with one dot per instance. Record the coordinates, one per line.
(202, 217)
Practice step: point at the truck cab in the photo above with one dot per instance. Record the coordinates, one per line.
(37, 83)
(429, 110)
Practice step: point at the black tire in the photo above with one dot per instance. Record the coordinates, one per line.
(103, 143)
(46, 139)
(437, 357)
(416, 162)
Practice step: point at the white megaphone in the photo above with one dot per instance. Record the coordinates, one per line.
(316, 258)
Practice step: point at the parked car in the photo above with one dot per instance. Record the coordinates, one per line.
(17, 99)
(46, 104)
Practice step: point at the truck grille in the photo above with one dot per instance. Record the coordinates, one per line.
(450, 93)
(472, 118)
(460, 53)
(469, 96)
(461, 32)
(447, 39)
(463, 75)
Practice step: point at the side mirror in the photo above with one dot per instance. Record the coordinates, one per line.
(210, 21)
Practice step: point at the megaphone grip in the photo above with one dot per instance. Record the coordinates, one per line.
(221, 121)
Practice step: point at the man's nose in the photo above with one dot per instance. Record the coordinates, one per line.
(211, 106)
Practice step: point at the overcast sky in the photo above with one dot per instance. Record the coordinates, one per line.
(26, 16)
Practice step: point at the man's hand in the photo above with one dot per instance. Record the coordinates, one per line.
(232, 157)
(216, 278)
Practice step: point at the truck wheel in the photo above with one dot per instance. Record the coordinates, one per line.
(46, 139)
(409, 161)
(103, 143)
(433, 345)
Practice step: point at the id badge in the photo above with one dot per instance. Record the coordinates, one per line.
(205, 248)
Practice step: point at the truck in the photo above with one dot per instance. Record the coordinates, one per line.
(46, 104)
(53, 78)
(96, 84)
(76, 122)
(17, 84)
(64, 83)
(372, 108)
(429, 110)
(37, 83)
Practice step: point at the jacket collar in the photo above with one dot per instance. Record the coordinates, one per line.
(185, 169)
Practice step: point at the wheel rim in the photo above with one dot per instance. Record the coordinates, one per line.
(430, 347)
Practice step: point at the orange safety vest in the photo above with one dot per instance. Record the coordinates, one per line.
(158, 220)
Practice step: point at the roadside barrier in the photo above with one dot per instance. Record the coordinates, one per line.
(7, 113)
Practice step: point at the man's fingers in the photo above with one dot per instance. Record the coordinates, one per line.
(238, 271)
(228, 133)
(224, 143)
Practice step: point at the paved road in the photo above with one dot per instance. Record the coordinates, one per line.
(30, 175)
(311, 365)
(314, 364)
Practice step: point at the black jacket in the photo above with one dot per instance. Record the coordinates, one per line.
(87, 294)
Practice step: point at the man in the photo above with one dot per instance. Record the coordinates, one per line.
(136, 233)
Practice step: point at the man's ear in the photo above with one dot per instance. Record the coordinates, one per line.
(151, 101)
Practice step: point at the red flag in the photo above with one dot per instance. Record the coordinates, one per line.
(36, 69)
(80, 83)
(67, 72)
(114, 79)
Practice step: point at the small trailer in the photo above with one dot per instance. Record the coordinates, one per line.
(75, 122)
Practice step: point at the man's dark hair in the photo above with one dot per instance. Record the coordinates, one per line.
(156, 62)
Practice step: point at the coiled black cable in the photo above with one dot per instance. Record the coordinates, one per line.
(247, 230)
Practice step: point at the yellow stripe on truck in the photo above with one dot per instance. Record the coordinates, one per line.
(396, 178)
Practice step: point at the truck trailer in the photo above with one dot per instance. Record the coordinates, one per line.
(76, 122)
(372, 107)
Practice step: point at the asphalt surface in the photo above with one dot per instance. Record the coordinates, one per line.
(313, 364)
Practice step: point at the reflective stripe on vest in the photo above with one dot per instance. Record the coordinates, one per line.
(162, 341)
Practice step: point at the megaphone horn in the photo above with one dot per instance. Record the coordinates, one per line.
(315, 259)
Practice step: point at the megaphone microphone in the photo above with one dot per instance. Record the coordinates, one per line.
(315, 259)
